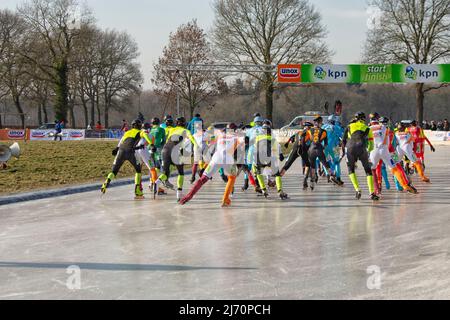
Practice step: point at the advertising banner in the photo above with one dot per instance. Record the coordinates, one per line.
(364, 73)
(289, 73)
(13, 134)
(421, 73)
(326, 73)
(49, 135)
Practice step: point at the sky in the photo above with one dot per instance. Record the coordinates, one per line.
(150, 22)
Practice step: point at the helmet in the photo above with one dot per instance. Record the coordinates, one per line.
(259, 120)
(308, 124)
(374, 116)
(156, 121)
(318, 119)
(136, 124)
(181, 122)
(257, 115)
(414, 123)
(384, 120)
(332, 119)
(168, 120)
(232, 126)
(268, 123)
(146, 126)
(360, 116)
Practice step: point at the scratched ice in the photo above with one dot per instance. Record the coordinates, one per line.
(317, 245)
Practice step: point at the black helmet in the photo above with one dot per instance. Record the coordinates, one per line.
(268, 123)
(156, 121)
(136, 124)
(181, 122)
(308, 124)
(168, 121)
(257, 115)
(374, 116)
(167, 117)
(146, 126)
(414, 123)
(384, 120)
(360, 116)
(318, 119)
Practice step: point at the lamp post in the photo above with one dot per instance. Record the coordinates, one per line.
(140, 93)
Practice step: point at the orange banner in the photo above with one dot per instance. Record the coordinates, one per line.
(289, 73)
(14, 134)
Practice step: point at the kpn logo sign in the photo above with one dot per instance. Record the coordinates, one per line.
(419, 73)
(314, 73)
(289, 73)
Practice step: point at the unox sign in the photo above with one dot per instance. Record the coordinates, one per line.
(76, 134)
(16, 134)
(289, 73)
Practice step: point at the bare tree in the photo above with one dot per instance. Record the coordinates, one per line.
(55, 24)
(118, 72)
(187, 45)
(13, 68)
(267, 32)
(412, 32)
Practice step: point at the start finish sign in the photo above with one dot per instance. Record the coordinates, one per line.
(364, 73)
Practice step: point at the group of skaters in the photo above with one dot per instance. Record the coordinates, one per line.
(254, 151)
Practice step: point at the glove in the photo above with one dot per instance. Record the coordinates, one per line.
(152, 149)
(433, 149)
(282, 157)
(286, 145)
(115, 151)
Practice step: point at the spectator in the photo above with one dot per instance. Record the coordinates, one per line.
(440, 126)
(425, 125)
(446, 125)
(58, 130)
(124, 126)
(433, 126)
(195, 123)
(98, 126)
(89, 127)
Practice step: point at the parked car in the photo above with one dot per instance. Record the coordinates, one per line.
(297, 123)
(47, 126)
(220, 125)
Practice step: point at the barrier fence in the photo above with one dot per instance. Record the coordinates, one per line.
(73, 135)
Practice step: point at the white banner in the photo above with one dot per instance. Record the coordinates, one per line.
(49, 135)
(437, 136)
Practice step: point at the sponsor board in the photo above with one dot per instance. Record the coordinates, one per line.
(16, 134)
(289, 73)
(437, 136)
(49, 135)
(364, 73)
(420, 73)
(326, 73)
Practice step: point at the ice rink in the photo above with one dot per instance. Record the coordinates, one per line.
(317, 245)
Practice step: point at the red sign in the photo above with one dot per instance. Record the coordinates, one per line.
(289, 73)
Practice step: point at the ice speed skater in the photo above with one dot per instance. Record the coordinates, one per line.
(227, 145)
(419, 139)
(381, 153)
(267, 154)
(405, 148)
(171, 155)
(357, 143)
(126, 151)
